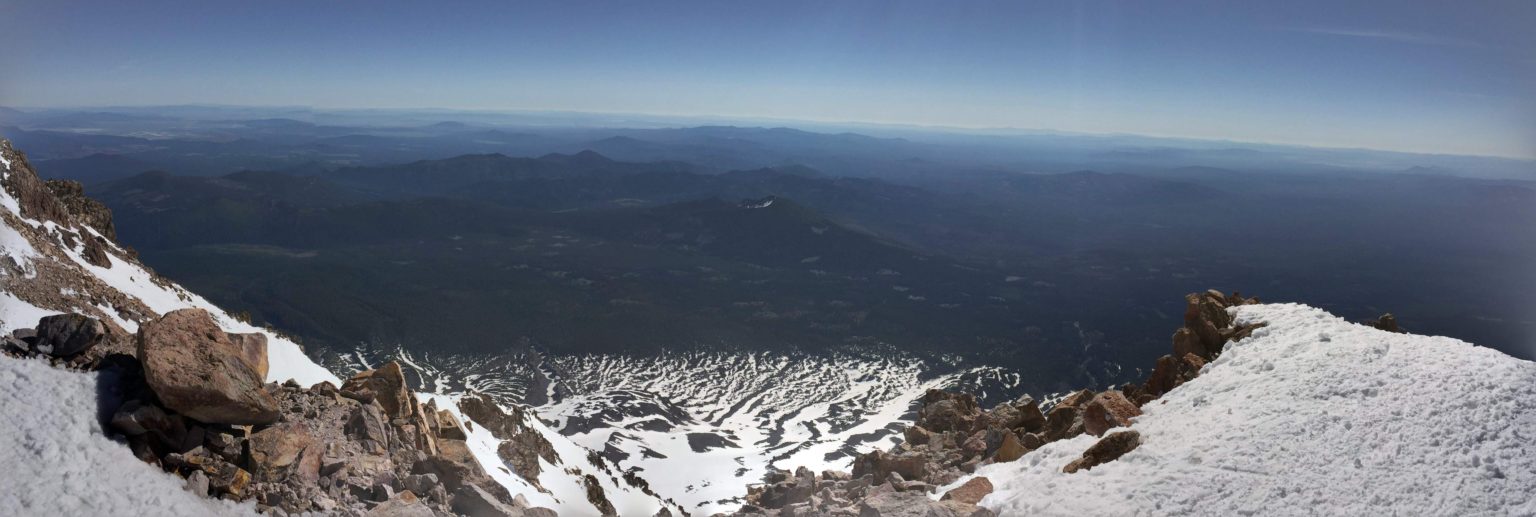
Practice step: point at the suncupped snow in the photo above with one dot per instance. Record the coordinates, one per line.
(71, 466)
(1311, 415)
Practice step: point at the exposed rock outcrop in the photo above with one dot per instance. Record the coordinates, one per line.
(523, 446)
(82, 209)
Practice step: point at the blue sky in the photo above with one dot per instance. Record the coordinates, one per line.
(1442, 77)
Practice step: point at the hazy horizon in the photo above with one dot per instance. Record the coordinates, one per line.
(639, 120)
(1426, 78)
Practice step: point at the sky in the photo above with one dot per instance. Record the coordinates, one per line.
(1417, 76)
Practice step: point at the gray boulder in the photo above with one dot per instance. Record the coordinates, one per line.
(64, 335)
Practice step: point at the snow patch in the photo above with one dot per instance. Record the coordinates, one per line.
(17, 314)
(67, 465)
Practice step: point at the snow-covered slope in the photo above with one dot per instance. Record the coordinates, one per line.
(699, 427)
(68, 466)
(1313, 415)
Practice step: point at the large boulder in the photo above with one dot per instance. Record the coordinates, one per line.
(197, 370)
(1107, 449)
(1108, 410)
(971, 492)
(64, 335)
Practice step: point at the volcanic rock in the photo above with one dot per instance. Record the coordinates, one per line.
(1106, 450)
(253, 348)
(387, 385)
(197, 370)
(970, 492)
(1108, 410)
(1387, 322)
(1010, 449)
(285, 450)
(64, 335)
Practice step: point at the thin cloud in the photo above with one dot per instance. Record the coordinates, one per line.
(1417, 38)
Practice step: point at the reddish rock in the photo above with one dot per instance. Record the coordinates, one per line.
(387, 386)
(285, 450)
(1186, 342)
(1065, 419)
(1108, 410)
(1031, 419)
(197, 370)
(448, 426)
(1165, 376)
(1107, 449)
(1191, 365)
(916, 435)
(971, 492)
(1010, 450)
(1171, 371)
(253, 348)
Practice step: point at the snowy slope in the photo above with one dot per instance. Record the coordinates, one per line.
(70, 466)
(699, 427)
(1311, 416)
(738, 415)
